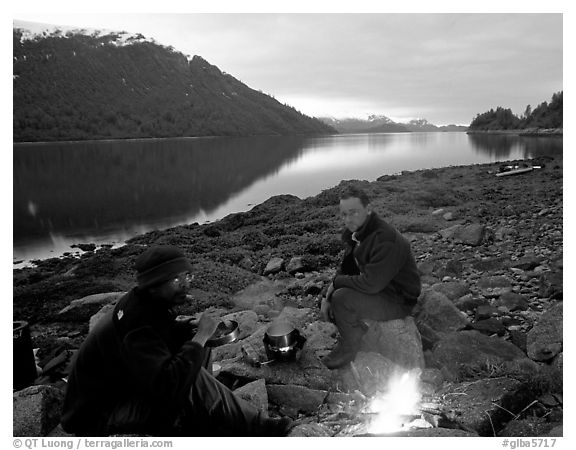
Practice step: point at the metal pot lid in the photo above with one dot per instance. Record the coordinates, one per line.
(278, 329)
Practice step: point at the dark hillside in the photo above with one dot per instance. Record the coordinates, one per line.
(78, 87)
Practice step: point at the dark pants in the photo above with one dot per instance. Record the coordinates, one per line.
(350, 307)
(210, 409)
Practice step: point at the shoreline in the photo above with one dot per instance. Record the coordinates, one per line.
(529, 132)
(75, 249)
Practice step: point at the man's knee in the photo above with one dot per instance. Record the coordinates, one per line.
(340, 297)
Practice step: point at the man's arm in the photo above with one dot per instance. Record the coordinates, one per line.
(384, 262)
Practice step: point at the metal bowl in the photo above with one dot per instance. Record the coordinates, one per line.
(225, 333)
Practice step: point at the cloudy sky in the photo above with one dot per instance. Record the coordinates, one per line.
(445, 67)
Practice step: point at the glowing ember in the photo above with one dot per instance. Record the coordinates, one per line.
(400, 399)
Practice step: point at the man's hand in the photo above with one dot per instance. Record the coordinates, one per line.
(326, 310)
(206, 327)
(330, 291)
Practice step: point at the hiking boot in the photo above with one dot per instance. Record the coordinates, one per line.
(340, 356)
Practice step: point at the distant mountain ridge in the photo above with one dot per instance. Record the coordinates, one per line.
(383, 124)
(77, 85)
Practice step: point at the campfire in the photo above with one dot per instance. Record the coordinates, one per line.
(398, 407)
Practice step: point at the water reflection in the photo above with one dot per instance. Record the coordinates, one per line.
(60, 188)
(500, 146)
(99, 192)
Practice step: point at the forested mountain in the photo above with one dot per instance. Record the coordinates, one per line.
(545, 115)
(75, 86)
(383, 124)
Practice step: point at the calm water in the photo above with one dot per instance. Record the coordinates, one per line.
(107, 192)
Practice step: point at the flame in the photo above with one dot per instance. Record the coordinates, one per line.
(401, 398)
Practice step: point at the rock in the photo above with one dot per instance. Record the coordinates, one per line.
(439, 313)
(557, 431)
(247, 322)
(101, 313)
(544, 340)
(36, 410)
(490, 264)
(494, 286)
(469, 303)
(503, 233)
(481, 406)
(297, 317)
(80, 310)
(449, 216)
(398, 340)
(533, 426)
(452, 268)
(467, 352)
(551, 285)
(470, 234)
(296, 398)
(321, 337)
(309, 430)
(490, 326)
(527, 263)
(296, 264)
(313, 288)
(452, 289)
(370, 373)
(432, 376)
(85, 247)
(450, 232)
(434, 432)
(485, 312)
(275, 265)
(261, 292)
(512, 302)
(256, 394)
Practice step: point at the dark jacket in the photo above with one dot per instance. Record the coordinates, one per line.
(136, 355)
(382, 262)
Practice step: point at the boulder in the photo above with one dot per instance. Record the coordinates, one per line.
(309, 430)
(247, 322)
(482, 406)
(80, 310)
(439, 313)
(296, 399)
(490, 326)
(370, 373)
(101, 313)
(275, 265)
(452, 289)
(296, 264)
(398, 340)
(469, 352)
(544, 341)
(256, 394)
(469, 302)
(36, 410)
(551, 285)
(450, 232)
(470, 234)
(532, 426)
(512, 302)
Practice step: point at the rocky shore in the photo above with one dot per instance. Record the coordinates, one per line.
(489, 319)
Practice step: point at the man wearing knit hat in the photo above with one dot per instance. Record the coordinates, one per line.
(140, 371)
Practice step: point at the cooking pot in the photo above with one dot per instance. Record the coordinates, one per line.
(282, 342)
(226, 332)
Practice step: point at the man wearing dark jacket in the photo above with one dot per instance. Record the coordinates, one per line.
(377, 278)
(140, 371)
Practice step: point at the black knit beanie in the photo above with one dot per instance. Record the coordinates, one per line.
(160, 263)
